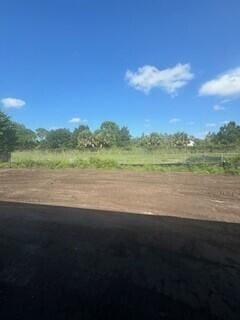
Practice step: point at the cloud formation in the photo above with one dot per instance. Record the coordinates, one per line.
(169, 80)
(13, 103)
(218, 107)
(77, 120)
(210, 125)
(174, 120)
(225, 85)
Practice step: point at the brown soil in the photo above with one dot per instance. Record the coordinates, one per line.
(181, 260)
(209, 197)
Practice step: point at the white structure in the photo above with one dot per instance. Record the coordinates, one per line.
(190, 143)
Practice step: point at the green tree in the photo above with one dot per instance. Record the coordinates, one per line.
(41, 134)
(180, 139)
(7, 134)
(109, 134)
(124, 137)
(76, 132)
(59, 139)
(86, 139)
(26, 138)
(229, 134)
(152, 140)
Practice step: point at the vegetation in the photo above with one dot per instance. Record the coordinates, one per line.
(8, 139)
(111, 146)
(26, 138)
(133, 159)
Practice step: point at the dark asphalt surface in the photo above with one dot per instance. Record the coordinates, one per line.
(67, 263)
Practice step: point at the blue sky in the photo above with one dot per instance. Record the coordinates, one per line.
(155, 65)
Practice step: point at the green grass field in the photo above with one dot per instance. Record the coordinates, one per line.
(134, 159)
(136, 156)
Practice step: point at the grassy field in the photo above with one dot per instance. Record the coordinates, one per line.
(136, 156)
(135, 159)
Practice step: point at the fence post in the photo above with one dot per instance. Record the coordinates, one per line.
(222, 160)
(10, 160)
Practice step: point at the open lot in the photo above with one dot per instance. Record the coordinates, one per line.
(72, 245)
(120, 156)
(210, 197)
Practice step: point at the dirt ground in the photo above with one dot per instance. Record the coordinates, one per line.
(59, 259)
(209, 197)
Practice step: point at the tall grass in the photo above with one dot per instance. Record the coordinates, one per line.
(120, 156)
(134, 159)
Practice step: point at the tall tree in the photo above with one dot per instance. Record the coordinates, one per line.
(108, 134)
(124, 137)
(86, 139)
(76, 132)
(151, 140)
(26, 138)
(180, 139)
(41, 134)
(7, 134)
(228, 134)
(59, 139)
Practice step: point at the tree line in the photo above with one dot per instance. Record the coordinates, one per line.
(15, 136)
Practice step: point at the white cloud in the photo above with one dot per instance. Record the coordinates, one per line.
(174, 120)
(210, 125)
(77, 120)
(225, 85)
(218, 107)
(170, 80)
(225, 101)
(13, 103)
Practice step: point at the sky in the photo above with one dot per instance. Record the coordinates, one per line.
(155, 65)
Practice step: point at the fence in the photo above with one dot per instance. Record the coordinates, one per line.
(121, 158)
(187, 159)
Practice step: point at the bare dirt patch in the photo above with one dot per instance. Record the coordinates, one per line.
(61, 262)
(210, 197)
